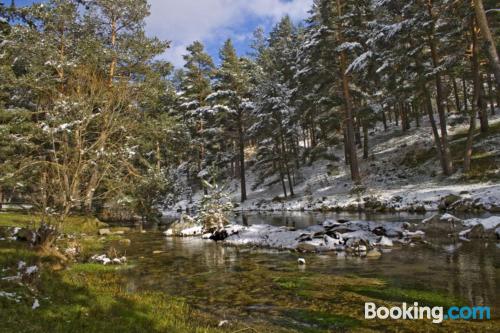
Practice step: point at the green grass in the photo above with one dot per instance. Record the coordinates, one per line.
(88, 298)
(73, 224)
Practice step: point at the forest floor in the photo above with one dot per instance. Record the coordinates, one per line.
(402, 173)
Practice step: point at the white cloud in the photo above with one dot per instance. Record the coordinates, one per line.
(184, 21)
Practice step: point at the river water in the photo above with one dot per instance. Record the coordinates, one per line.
(268, 286)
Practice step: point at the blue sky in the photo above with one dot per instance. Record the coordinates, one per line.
(213, 21)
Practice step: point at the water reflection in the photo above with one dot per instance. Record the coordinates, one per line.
(230, 281)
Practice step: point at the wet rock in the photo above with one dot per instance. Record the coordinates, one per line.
(442, 224)
(219, 235)
(379, 231)
(385, 242)
(306, 247)
(448, 201)
(373, 254)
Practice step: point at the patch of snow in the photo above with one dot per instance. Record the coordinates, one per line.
(488, 223)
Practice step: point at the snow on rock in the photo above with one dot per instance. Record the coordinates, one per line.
(186, 226)
(488, 223)
(352, 236)
(10, 296)
(105, 260)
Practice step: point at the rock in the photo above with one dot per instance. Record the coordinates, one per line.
(184, 227)
(219, 235)
(26, 235)
(448, 201)
(306, 247)
(105, 260)
(385, 242)
(158, 252)
(373, 254)
(35, 305)
(379, 231)
(442, 224)
(301, 261)
(223, 323)
(104, 232)
(119, 232)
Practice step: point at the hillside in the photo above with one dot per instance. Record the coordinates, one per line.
(401, 174)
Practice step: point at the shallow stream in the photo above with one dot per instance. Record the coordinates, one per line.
(259, 286)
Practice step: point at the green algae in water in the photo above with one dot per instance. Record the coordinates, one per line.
(316, 321)
(392, 294)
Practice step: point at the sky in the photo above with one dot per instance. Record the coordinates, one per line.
(213, 21)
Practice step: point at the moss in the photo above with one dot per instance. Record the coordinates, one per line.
(73, 224)
(89, 298)
(321, 320)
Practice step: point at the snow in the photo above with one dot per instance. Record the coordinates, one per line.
(105, 260)
(36, 304)
(488, 223)
(193, 231)
(326, 185)
(31, 270)
(331, 236)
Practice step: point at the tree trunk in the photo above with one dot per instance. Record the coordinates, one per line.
(464, 87)
(455, 92)
(349, 119)
(491, 97)
(435, 133)
(241, 144)
(114, 59)
(475, 100)
(448, 167)
(365, 141)
(482, 22)
(384, 121)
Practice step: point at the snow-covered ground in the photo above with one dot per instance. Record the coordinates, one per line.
(393, 179)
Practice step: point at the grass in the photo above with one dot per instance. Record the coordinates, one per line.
(73, 224)
(88, 298)
(483, 163)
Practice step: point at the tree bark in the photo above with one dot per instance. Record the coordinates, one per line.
(448, 167)
(482, 22)
(464, 87)
(241, 144)
(455, 92)
(365, 141)
(349, 118)
(491, 97)
(475, 99)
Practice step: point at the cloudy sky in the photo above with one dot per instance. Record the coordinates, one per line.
(213, 21)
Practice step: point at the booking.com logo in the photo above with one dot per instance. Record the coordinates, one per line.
(437, 313)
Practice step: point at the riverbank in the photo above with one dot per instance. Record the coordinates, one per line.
(41, 293)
